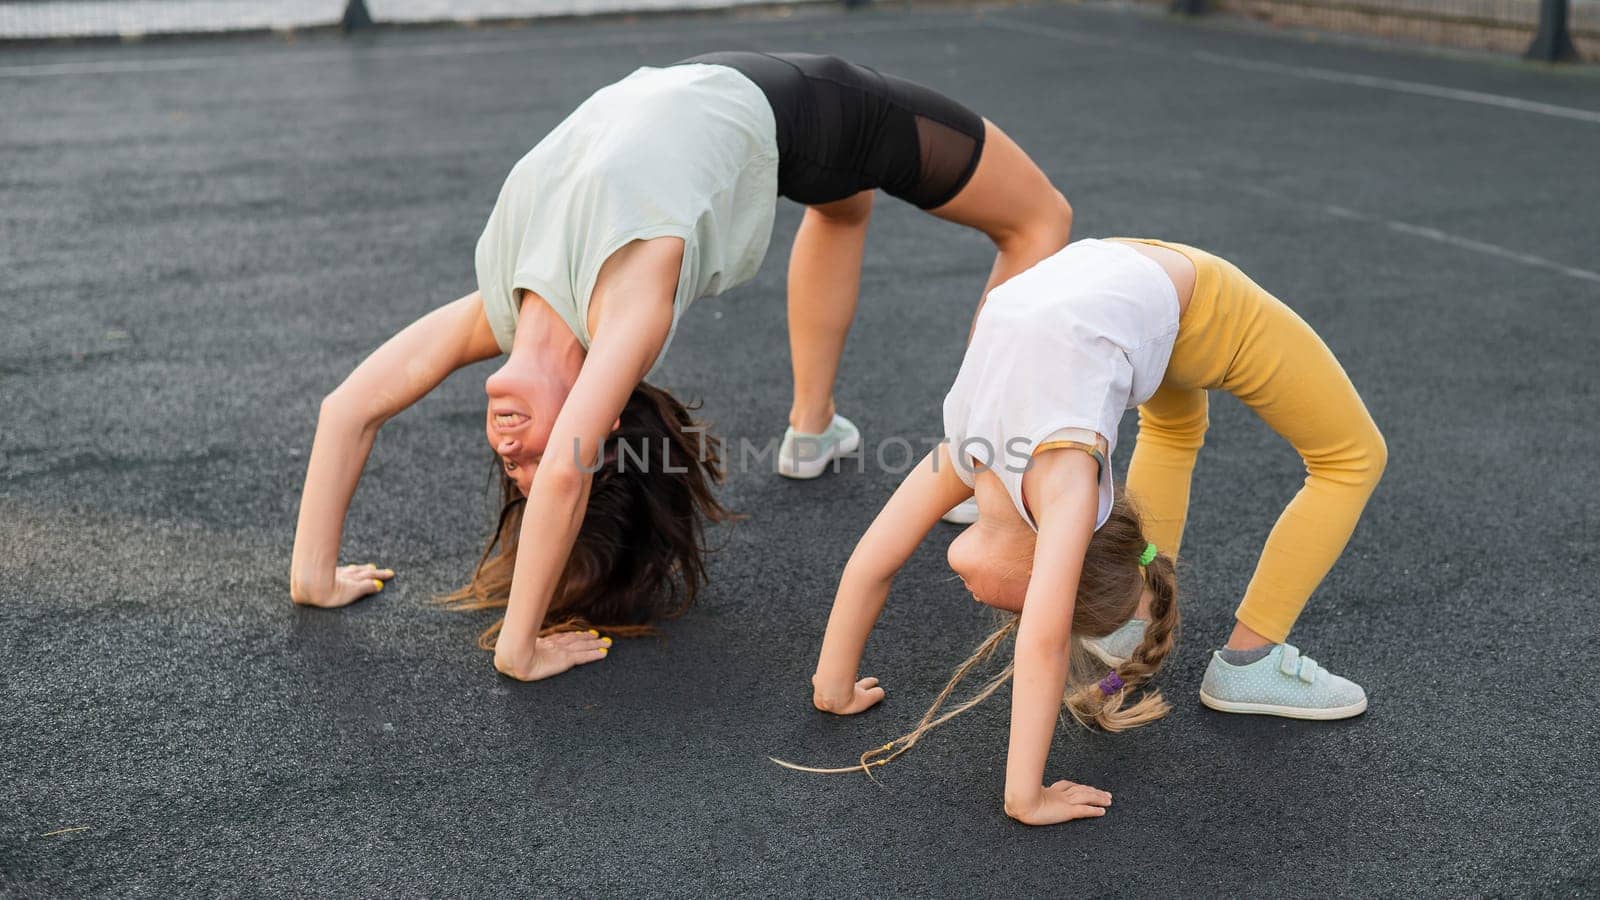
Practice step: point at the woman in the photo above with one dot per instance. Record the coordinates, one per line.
(657, 190)
(1057, 355)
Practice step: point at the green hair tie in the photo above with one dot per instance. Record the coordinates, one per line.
(1148, 556)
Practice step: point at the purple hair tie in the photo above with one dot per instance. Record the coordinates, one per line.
(1110, 684)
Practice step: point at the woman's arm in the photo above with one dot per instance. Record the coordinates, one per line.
(926, 494)
(636, 317)
(1062, 491)
(396, 375)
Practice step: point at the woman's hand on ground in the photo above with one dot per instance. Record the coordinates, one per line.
(1060, 802)
(851, 699)
(551, 655)
(349, 584)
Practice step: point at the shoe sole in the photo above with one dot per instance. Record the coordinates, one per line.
(1287, 712)
(1105, 657)
(813, 468)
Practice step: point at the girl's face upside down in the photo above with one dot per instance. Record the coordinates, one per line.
(994, 555)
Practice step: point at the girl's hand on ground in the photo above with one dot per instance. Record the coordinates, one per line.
(551, 655)
(859, 697)
(350, 583)
(1060, 802)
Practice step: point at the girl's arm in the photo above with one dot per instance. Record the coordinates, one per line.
(396, 375)
(1062, 491)
(926, 494)
(636, 319)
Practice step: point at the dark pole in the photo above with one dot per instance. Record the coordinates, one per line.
(1553, 43)
(356, 17)
(1188, 7)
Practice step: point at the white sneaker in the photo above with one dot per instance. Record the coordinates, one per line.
(808, 455)
(963, 513)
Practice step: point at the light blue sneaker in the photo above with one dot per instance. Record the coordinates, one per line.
(1283, 683)
(808, 455)
(1115, 648)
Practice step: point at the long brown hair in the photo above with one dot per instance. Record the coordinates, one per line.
(1109, 589)
(640, 554)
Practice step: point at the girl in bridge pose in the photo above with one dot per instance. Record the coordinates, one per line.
(1057, 354)
(658, 190)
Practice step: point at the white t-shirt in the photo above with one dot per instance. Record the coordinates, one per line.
(1068, 344)
(687, 151)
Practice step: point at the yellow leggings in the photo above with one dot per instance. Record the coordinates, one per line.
(1236, 337)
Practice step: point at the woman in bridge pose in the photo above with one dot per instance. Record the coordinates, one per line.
(1057, 354)
(657, 190)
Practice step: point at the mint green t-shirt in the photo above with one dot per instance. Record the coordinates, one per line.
(687, 151)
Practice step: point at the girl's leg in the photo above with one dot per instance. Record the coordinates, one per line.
(1172, 428)
(824, 283)
(1011, 200)
(1289, 377)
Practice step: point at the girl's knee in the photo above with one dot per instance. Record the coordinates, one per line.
(1377, 455)
(1186, 431)
(1358, 464)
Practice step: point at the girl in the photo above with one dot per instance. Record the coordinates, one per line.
(1056, 356)
(657, 190)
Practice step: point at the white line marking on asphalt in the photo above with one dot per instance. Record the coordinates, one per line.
(1445, 237)
(1419, 88)
(1421, 231)
(1313, 73)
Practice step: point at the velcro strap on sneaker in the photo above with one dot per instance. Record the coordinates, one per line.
(1289, 663)
(1294, 665)
(1308, 669)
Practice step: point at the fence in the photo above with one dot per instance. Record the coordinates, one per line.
(1543, 29)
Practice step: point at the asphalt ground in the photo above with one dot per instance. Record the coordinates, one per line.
(200, 240)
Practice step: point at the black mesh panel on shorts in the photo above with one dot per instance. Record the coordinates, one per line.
(843, 128)
(947, 159)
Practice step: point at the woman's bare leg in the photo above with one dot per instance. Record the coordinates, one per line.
(1011, 200)
(1008, 198)
(824, 283)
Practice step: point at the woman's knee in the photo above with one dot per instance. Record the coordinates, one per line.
(1041, 233)
(1059, 218)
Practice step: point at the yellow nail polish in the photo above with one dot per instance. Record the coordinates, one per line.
(594, 633)
(605, 642)
(603, 651)
(378, 583)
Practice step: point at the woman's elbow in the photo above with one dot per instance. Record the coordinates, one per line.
(561, 481)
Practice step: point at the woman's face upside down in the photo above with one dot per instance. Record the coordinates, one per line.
(521, 413)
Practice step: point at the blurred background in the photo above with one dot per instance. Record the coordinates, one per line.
(1545, 29)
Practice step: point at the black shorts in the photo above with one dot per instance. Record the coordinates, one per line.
(844, 128)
